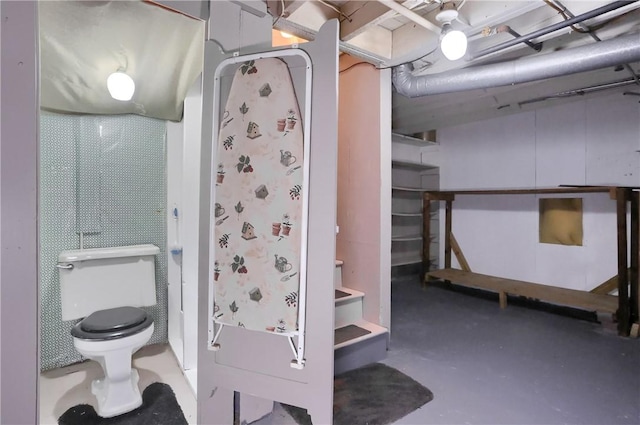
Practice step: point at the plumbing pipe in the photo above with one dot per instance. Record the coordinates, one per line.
(409, 14)
(579, 92)
(506, 28)
(555, 4)
(579, 59)
(551, 28)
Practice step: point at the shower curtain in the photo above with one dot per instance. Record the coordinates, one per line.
(258, 200)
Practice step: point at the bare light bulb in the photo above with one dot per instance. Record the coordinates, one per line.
(121, 86)
(453, 43)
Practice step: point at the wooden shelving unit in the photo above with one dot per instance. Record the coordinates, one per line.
(411, 177)
(406, 233)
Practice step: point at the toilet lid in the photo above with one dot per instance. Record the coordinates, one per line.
(114, 323)
(113, 319)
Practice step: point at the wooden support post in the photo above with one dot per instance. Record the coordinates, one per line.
(464, 265)
(622, 197)
(426, 236)
(447, 235)
(634, 276)
(503, 299)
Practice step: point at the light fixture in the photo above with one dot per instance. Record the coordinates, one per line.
(453, 43)
(286, 34)
(121, 86)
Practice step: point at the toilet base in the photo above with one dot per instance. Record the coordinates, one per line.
(116, 398)
(117, 392)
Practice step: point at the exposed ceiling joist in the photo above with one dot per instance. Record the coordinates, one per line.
(290, 6)
(366, 15)
(377, 41)
(312, 14)
(374, 33)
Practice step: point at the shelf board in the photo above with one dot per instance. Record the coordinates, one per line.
(401, 138)
(406, 261)
(406, 238)
(409, 189)
(412, 165)
(399, 214)
(405, 258)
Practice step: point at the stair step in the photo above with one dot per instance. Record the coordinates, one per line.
(344, 294)
(356, 332)
(337, 274)
(348, 306)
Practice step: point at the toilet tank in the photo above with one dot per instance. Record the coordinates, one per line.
(101, 278)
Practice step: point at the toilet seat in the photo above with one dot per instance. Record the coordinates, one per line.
(113, 323)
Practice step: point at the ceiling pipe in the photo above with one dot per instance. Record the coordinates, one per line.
(555, 4)
(551, 28)
(571, 61)
(579, 92)
(411, 15)
(506, 28)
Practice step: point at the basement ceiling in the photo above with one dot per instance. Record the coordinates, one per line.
(373, 32)
(83, 42)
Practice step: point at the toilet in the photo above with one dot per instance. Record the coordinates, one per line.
(105, 288)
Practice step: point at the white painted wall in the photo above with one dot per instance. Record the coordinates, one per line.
(19, 128)
(183, 182)
(592, 141)
(175, 146)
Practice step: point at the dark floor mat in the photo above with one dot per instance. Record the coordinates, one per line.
(376, 394)
(159, 406)
(348, 332)
(341, 294)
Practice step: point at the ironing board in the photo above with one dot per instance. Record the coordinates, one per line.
(258, 214)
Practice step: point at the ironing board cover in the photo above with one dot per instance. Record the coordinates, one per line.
(258, 201)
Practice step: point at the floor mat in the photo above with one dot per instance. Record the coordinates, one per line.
(376, 394)
(159, 406)
(348, 332)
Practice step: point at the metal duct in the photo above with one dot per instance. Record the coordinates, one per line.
(579, 59)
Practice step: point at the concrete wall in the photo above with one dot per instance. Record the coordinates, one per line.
(364, 179)
(592, 142)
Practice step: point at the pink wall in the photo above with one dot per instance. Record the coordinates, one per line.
(358, 243)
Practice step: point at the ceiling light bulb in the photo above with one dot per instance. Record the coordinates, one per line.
(285, 34)
(453, 43)
(121, 86)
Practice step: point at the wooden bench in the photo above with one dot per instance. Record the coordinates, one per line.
(568, 297)
(626, 305)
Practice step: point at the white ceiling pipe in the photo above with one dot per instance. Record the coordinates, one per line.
(612, 52)
(409, 14)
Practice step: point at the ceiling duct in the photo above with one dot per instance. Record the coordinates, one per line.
(612, 52)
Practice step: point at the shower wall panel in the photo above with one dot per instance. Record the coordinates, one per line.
(123, 198)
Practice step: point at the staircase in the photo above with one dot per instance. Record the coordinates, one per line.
(357, 342)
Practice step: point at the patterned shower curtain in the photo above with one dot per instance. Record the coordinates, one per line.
(258, 201)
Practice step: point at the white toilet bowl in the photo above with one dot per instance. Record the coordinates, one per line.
(110, 337)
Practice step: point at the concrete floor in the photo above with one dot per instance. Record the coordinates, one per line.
(484, 365)
(68, 386)
(514, 366)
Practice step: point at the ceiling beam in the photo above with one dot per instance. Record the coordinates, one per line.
(290, 6)
(377, 41)
(364, 15)
(312, 15)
